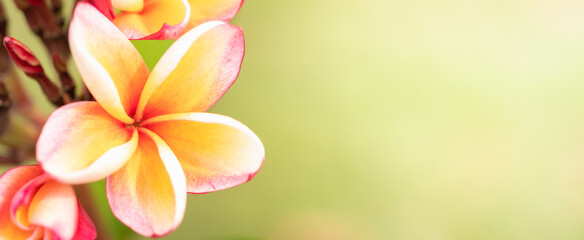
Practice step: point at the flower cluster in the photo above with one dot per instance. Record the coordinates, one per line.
(146, 132)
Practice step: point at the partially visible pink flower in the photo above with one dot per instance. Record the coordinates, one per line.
(164, 19)
(32, 205)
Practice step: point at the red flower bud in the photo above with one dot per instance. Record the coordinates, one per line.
(27, 62)
(23, 57)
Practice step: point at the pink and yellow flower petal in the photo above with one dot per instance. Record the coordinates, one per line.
(149, 193)
(194, 72)
(10, 183)
(215, 151)
(22, 199)
(33, 206)
(85, 227)
(110, 66)
(82, 143)
(54, 207)
(104, 6)
(207, 10)
(162, 19)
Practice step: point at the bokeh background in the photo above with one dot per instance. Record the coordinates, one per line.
(382, 119)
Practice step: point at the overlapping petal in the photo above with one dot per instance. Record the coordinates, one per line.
(165, 19)
(207, 10)
(215, 151)
(162, 19)
(194, 72)
(110, 66)
(33, 206)
(10, 183)
(149, 193)
(85, 227)
(81, 143)
(19, 207)
(51, 200)
(105, 7)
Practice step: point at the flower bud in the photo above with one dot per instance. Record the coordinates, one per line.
(27, 62)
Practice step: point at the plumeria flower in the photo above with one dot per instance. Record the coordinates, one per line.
(34, 206)
(164, 19)
(148, 133)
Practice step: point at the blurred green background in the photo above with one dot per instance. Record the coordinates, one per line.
(421, 119)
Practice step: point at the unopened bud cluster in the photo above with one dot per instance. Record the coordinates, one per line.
(20, 119)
